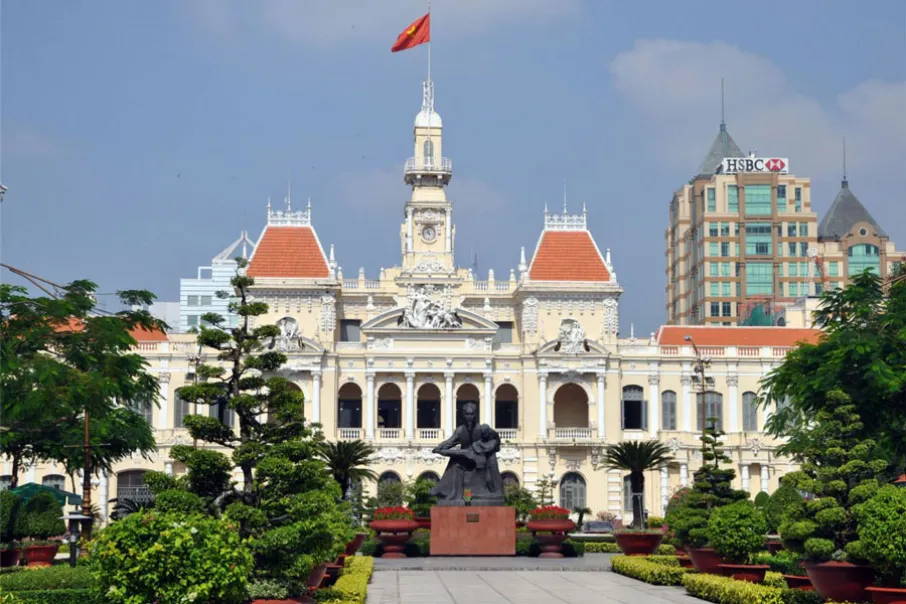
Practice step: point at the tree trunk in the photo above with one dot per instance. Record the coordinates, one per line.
(637, 487)
(14, 478)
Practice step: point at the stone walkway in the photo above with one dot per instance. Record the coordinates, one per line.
(503, 581)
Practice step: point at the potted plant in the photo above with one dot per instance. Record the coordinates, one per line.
(10, 506)
(687, 516)
(839, 470)
(736, 532)
(882, 541)
(394, 527)
(774, 509)
(637, 458)
(554, 521)
(420, 500)
(41, 521)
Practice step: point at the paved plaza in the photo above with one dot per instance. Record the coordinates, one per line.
(512, 581)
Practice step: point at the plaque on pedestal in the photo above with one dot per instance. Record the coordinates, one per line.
(473, 531)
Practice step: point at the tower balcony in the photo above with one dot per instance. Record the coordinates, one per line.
(421, 168)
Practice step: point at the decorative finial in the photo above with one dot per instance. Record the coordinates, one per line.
(545, 208)
(607, 256)
(845, 182)
(723, 121)
(584, 209)
(289, 195)
(332, 259)
(521, 256)
(632, 331)
(564, 196)
(309, 202)
(268, 202)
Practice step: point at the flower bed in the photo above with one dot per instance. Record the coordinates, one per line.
(352, 586)
(648, 571)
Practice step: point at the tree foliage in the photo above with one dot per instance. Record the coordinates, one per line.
(862, 353)
(348, 462)
(637, 458)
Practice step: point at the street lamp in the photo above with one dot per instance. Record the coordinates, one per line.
(74, 520)
(702, 363)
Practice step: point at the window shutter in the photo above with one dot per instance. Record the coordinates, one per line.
(623, 414)
(644, 415)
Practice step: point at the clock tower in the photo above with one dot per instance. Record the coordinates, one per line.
(427, 232)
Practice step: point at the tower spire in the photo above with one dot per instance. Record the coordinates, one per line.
(723, 117)
(564, 196)
(845, 182)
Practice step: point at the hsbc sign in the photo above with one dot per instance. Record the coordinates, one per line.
(734, 165)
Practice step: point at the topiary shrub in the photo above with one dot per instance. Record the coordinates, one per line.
(761, 500)
(169, 559)
(10, 506)
(41, 518)
(179, 502)
(736, 531)
(882, 534)
(839, 470)
(778, 503)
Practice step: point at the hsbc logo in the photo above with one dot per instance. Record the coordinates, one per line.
(735, 165)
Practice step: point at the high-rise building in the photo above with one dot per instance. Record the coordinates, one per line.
(199, 295)
(740, 234)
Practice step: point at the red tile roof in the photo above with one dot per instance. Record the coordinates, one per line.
(567, 256)
(288, 252)
(140, 334)
(672, 335)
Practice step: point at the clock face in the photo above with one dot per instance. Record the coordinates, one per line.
(428, 233)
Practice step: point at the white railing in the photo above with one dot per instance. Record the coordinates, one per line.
(712, 351)
(670, 351)
(502, 286)
(428, 433)
(573, 433)
(351, 283)
(350, 345)
(148, 346)
(372, 284)
(349, 433)
(781, 352)
(139, 494)
(480, 285)
(390, 433)
(429, 164)
(507, 433)
(748, 351)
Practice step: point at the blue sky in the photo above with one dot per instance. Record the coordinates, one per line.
(139, 138)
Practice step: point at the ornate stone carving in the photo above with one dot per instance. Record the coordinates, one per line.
(595, 457)
(508, 455)
(754, 446)
(428, 217)
(328, 313)
(289, 338)
(572, 337)
(674, 445)
(611, 316)
(426, 456)
(654, 380)
(686, 380)
(475, 344)
(379, 343)
(389, 455)
(421, 312)
(530, 315)
(163, 377)
(573, 465)
(732, 381)
(428, 266)
(552, 458)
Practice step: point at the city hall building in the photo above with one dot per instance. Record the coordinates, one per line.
(392, 358)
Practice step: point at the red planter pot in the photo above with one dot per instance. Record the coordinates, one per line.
(887, 595)
(353, 546)
(798, 582)
(705, 560)
(753, 573)
(773, 546)
(393, 535)
(840, 581)
(10, 557)
(38, 556)
(638, 544)
(685, 562)
(316, 576)
(424, 522)
(551, 545)
(520, 524)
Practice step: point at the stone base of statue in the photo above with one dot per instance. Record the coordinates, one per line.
(474, 530)
(481, 501)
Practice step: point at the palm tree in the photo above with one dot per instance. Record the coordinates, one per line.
(582, 512)
(637, 457)
(348, 462)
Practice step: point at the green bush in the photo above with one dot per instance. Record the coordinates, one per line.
(761, 500)
(777, 505)
(41, 517)
(57, 596)
(724, 590)
(418, 496)
(178, 502)
(655, 522)
(648, 571)
(352, 586)
(10, 505)
(266, 589)
(163, 558)
(665, 560)
(772, 579)
(612, 548)
(784, 562)
(520, 498)
(882, 533)
(736, 531)
(54, 577)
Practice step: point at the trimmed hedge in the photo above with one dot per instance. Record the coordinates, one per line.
(352, 586)
(648, 571)
(664, 560)
(59, 596)
(724, 590)
(54, 577)
(612, 548)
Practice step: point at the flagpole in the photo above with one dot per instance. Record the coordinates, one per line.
(429, 41)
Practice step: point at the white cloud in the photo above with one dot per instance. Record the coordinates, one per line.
(323, 23)
(676, 86)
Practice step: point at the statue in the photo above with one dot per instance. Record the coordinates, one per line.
(424, 313)
(571, 336)
(289, 335)
(472, 466)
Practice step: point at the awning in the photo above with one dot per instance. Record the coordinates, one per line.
(29, 490)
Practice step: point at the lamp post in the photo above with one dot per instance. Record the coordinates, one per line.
(702, 363)
(74, 520)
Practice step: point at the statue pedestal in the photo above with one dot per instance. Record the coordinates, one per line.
(473, 531)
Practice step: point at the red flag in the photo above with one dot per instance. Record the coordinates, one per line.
(417, 33)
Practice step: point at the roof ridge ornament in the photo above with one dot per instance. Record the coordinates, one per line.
(565, 221)
(288, 217)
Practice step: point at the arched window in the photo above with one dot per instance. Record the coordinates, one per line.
(714, 409)
(428, 152)
(749, 412)
(572, 491)
(506, 407)
(389, 476)
(54, 481)
(635, 411)
(430, 476)
(131, 485)
(221, 411)
(390, 407)
(864, 256)
(509, 478)
(427, 407)
(668, 410)
(389, 489)
(571, 406)
(143, 409)
(349, 406)
(180, 411)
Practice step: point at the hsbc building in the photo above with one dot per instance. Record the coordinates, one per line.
(736, 165)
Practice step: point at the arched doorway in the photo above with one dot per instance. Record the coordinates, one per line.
(389, 489)
(572, 491)
(506, 408)
(509, 480)
(429, 476)
(427, 407)
(571, 407)
(349, 406)
(467, 393)
(130, 485)
(390, 407)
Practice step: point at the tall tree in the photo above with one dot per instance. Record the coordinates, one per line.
(862, 353)
(637, 458)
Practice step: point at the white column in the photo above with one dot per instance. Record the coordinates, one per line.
(684, 474)
(104, 496)
(163, 413)
(410, 404)
(542, 405)
(653, 405)
(665, 488)
(449, 404)
(408, 228)
(448, 230)
(168, 467)
(687, 403)
(369, 405)
(602, 390)
(488, 411)
(733, 412)
(764, 478)
(316, 397)
(744, 473)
